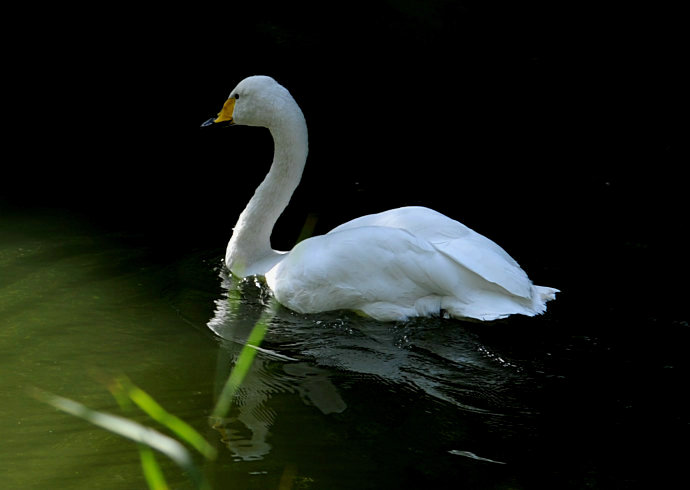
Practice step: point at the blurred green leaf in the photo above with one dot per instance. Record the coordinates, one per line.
(128, 429)
(151, 468)
(176, 425)
(242, 366)
(308, 227)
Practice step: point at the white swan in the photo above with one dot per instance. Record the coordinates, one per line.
(394, 265)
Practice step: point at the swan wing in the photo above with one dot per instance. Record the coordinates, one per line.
(456, 241)
(379, 270)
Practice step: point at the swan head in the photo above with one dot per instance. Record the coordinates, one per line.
(258, 101)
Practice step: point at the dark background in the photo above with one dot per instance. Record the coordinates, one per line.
(552, 129)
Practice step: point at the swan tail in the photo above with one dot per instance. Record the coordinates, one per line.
(489, 305)
(540, 296)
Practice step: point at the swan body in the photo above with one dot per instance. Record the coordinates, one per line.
(401, 263)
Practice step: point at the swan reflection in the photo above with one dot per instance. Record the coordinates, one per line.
(315, 356)
(246, 429)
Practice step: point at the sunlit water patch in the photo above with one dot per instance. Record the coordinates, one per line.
(76, 307)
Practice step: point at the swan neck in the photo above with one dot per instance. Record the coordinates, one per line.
(249, 251)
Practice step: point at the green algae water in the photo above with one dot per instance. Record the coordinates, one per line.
(77, 307)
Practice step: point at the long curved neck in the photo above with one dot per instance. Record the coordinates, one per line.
(249, 251)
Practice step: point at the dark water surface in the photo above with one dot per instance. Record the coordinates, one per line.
(566, 400)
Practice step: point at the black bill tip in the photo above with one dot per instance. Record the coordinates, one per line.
(211, 123)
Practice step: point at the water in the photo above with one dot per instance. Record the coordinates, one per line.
(567, 400)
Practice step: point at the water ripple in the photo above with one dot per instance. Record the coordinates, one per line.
(444, 361)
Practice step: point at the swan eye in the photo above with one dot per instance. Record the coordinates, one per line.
(237, 96)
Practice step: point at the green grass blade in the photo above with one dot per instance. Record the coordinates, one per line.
(242, 366)
(176, 425)
(152, 471)
(127, 429)
(308, 227)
